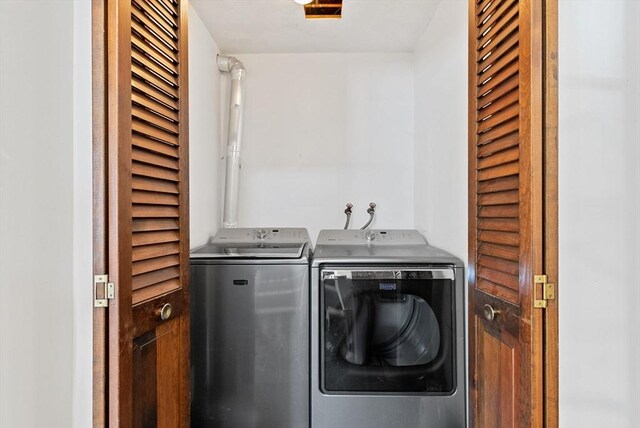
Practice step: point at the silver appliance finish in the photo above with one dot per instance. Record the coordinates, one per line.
(249, 330)
(378, 253)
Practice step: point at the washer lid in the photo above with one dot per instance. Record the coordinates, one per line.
(250, 250)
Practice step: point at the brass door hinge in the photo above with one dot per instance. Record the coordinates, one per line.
(548, 291)
(103, 291)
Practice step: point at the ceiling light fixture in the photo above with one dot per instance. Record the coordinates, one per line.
(303, 1)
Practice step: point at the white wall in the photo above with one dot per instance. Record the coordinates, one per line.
(599, 213)
(440, 123)
(82, 395)
(322, 130)
(205, 180)
(36, 213)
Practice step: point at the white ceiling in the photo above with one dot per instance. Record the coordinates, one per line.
(279, 26)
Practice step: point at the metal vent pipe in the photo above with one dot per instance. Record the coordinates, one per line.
(234, 138)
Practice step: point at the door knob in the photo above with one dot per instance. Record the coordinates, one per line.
(489, 312)
(164, 312)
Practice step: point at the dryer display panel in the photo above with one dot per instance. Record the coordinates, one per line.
(388, 331)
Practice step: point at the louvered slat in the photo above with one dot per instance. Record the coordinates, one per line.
(156, 177)
(154, 198)
(499, 158)
(154, 27)
(502, 22)
(498, 185)
(154, 185)
(151, 224)
(166, 15)
(146, 293)
(499, 131)
(154, 80)
(154, 146)
(497, 277)
(495, 146)
(498, 10)
(153, 211)
(498, 118)
(498, 198)
(501, 265)
(506, 210)
(147, 238)
(152, 158)
(500, 251)
(145, 129)
(498, 152)
(499, 171)
(154, 106)
(154, 66)
(158, 263)
(148, 90)
(497, 290)
(154, 119)
(503, 224)
(154, 171)
(499, 105)
(495, 54)
(153, 251)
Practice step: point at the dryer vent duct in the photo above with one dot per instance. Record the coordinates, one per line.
(234, 138)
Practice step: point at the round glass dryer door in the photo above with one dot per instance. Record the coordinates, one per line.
(388, 331)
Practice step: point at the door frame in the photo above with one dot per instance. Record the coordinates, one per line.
(550, 199)
(100, 217)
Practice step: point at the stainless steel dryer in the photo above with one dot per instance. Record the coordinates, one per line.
(249, 330)
(387, 332)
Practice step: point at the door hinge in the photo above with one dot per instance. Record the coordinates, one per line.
(103, 291)
(548, 291)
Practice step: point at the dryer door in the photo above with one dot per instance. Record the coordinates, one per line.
(388, 331)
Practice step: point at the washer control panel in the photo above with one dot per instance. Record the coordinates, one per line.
(371, 237)
(263, 234)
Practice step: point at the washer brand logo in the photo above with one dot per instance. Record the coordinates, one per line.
(240, 282)
(388, 286)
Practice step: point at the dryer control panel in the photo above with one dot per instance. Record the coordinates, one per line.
(262, 234)
(373, 237)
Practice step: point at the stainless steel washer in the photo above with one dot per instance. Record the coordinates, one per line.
(249, 329)
(387, 332)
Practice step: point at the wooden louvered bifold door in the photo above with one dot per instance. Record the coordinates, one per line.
(505, 212)
(148, 213)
